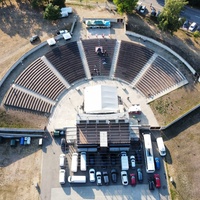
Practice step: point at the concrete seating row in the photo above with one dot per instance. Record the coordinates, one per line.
(160, 76)
(20, 99)
(40, 79)
(66, 59)
(99, 64)
(132, 58)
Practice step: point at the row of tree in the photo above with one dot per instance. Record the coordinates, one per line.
(169, 17)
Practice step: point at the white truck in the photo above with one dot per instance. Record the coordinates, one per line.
(124, 161)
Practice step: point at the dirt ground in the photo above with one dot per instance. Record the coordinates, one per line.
(20, 167)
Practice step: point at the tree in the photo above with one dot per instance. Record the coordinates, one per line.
(52, 12)
(169, 17)
(125, 6)
(60, 3)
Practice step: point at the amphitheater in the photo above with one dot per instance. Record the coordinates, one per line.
(56, 79)
(51, 81)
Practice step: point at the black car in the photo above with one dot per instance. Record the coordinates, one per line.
(63, 144)
(186, 24)
(105, 178)
(151, 184)
(114, 175)
(34, 38)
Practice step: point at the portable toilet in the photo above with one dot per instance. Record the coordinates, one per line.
(40, 142)
(13, 143)
(22, 141)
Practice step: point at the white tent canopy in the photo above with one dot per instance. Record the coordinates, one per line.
(100, 99)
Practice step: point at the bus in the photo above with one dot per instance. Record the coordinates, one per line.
(148, 153)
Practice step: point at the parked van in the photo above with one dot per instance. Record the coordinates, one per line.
(124, 161)
(77, 179)
(62, 160)
(62, 176)
(83, 161)
(161, 146)
(74, 163)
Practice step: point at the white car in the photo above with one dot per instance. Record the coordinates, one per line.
(62, 160)
(193, 26)
(143, 9)
(98, 175)
(92, 175)
(124, 178)
(132, 159)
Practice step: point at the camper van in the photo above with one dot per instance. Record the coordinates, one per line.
(77, 179)
(62, 176)
(74, 163)
(83, 161)
(161, 146)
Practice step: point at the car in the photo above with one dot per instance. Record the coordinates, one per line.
(133, 179)
(34, 38)
(105, 177)
(143, 9)
(114, 175)
(139, 6)
(151, 184)
(132, 158)
(124, 178)
(157, 180)
(62, 160)
(91, 159)
(193, 26)
(186, 24)
(98, 176)
(113, 159)
(157, 163)
(139, 175)
(92, 175)
(63, 144)
(62, 32)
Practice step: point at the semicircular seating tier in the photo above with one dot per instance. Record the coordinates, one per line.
(160, 77)
(99, 62)
(67, 61)
(132, 58)
(19, 99)
(39, 78)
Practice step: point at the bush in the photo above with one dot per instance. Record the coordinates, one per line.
(52, 12)
(196, 34)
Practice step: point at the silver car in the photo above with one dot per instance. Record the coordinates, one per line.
(124, 178)
(98, 175)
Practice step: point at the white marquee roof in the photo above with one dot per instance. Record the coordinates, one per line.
(100, 99)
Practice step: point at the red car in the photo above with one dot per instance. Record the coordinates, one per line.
(157, 180)
(133, 179)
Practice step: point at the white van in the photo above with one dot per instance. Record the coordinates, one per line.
(74, 163)
(124, 161)
(77, 179)
(62, 160)
(161, 146)
(62, 176)
(83, 161)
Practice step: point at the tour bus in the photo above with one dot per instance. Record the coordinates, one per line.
(74, 163)
(148, 153)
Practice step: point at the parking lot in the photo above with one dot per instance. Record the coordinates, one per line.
(103, 162)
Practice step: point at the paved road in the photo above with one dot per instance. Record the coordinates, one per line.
(189, 13)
